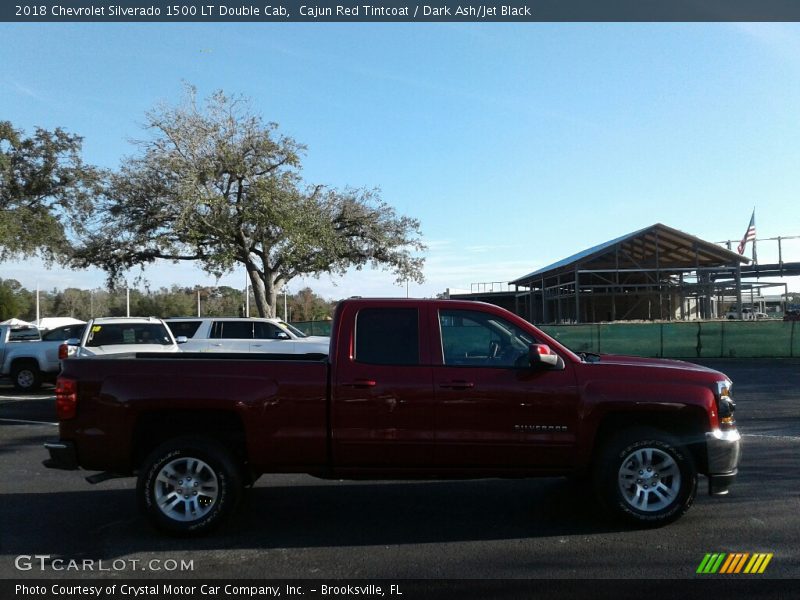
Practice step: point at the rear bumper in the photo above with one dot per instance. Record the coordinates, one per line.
(724, 452)
(62, 456)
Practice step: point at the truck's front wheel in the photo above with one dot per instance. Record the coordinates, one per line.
(189, 485)
(646, 477)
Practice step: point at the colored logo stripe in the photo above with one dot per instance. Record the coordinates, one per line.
(734, 563)
(758, 563)
(711, 563)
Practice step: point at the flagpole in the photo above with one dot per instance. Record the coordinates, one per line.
(755, 255)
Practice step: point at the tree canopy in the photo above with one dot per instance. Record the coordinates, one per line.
(214, 183)
(46, 192)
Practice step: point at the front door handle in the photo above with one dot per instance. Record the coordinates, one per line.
(361, 383)
(457, 385)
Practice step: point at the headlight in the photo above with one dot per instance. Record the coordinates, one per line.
(725, 405)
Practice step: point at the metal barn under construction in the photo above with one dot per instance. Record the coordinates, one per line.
(656, 273)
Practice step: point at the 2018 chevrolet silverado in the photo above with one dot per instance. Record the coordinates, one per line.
(410, 389)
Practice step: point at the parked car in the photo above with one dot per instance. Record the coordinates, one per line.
(129, 335)
(231, 334)
(29, 358)
(411, 388)
(748, 314)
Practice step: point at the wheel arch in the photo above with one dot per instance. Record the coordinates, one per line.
(687, 425)
(153, 428)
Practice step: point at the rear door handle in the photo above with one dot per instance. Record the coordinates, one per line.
(458, 385)
(361, 383)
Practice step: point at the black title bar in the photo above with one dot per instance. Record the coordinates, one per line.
(277, 11)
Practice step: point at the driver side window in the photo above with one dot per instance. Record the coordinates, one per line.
(478, 339)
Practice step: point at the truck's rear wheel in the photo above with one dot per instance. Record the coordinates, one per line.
(645, 477)
(26, 376)
(189, 485)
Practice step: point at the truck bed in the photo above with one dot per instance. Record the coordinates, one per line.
(278, 402)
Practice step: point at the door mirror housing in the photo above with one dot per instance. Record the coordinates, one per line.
(541, 356)
(181, 339)
(282, 336)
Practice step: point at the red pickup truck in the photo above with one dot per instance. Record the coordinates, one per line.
(411, 389)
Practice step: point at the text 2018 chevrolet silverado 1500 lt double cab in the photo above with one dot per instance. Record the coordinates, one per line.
(410, 389)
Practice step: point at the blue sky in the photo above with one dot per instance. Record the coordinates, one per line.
(514, 144)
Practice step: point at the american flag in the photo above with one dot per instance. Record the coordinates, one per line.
(750, 234)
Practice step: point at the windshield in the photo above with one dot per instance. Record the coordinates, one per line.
(292, 329)
(128, 333)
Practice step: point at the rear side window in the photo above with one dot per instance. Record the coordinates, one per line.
(25, 334)
(187, 328)
(233, 330)
(387, 336)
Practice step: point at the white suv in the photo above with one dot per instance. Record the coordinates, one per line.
(116, 335)
(231, 334)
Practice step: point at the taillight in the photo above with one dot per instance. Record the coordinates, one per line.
(63, 351)
(66, 398)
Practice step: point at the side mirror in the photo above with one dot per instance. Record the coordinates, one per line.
(282, 336)
(541, 355)
(181, 339)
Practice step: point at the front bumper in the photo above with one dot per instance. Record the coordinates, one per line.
(62, 456)
(724, 452)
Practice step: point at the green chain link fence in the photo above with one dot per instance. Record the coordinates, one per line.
(701, 339)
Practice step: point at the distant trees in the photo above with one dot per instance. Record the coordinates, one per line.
(305, 305)
(46, 193)
(176, 301)
(12, 302)
(218, 185)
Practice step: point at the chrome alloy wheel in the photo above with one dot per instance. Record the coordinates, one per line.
(649, 480)
(186, 489)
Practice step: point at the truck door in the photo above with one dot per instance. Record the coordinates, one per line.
(492, 408)
(382, 403)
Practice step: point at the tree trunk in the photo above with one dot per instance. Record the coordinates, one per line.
(272, 299)
(258, 291)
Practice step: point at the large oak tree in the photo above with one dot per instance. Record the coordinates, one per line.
(214, 183)
(46, 193)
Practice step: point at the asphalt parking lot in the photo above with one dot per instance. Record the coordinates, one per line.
(298, 527)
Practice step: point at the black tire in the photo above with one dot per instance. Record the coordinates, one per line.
(26, 376)
(647, 498)
(203, 471)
